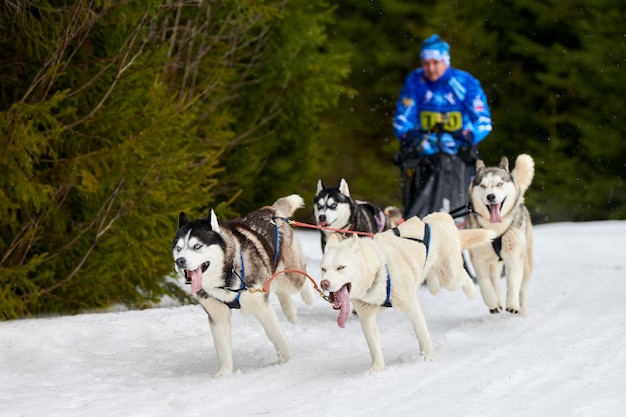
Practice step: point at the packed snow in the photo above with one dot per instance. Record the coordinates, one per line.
(566, 357)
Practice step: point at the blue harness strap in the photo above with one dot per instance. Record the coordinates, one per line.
(277, 243)
(425, 241)
(242, 285)
(242, 278)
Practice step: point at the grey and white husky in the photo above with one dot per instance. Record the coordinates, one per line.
(497, 200)
(334, 208)
(228, 265)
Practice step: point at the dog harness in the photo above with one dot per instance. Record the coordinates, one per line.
(425, 241)
(469, 210)
(235, 304)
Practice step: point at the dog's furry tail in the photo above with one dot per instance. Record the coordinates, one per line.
(286, 206)
(524, 171)
(471, 238)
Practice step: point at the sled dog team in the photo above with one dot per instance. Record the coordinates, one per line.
(236, 264)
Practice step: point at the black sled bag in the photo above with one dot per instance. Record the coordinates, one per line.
(440, 183)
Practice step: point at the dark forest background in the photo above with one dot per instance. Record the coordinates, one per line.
(115, 115)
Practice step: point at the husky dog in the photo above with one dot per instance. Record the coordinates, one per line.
(229, 264)
(497, 201)
(386, 271)
(334, 208)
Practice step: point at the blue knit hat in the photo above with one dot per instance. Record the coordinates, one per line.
(435, 48)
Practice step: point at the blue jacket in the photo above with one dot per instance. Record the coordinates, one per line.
(457, 95)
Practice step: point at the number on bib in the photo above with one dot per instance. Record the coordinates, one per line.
(452, 121)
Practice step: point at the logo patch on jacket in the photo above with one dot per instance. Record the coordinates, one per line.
(478, 104)
(407, 101)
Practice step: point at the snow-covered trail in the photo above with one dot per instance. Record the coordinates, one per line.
(565, 358)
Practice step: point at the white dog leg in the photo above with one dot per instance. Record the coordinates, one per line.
(268, 318)
(514, 271)
(528, 270)
(469, 289)
(287, 306)
(489, 291)
(219, 321)
(415, 314)
(369, 326)
(523, 294)
(307, 293)
(432, 281)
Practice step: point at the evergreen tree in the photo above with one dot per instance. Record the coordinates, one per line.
(117, 116)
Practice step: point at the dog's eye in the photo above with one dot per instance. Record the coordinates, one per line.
(178, 248)
(197, 246)
(483, 186)
(323, 270)
(500, 184)
(333, 206)
(340, 267)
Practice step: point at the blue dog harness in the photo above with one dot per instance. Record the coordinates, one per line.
(425, 241)
(235, 304)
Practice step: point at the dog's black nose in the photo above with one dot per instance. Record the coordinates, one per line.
(322, 217)
(181, 262)
(491, 198)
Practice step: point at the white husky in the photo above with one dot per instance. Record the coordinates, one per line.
(386, 271)
(497, 201)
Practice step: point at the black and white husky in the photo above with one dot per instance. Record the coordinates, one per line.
(334, 208)
(229, 264)
(497, 201)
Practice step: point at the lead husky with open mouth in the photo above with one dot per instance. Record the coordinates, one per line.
(229, 264)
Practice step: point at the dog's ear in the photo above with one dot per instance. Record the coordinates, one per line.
(213, 221)
(480, 165)
(333, 240)
(320, 186)
(182, 219)
(504, 163)
(354, 241)
(343, 188)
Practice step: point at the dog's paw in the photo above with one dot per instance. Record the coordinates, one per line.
(512, 310)
(376, 368)
(495, 310)
(223, 373)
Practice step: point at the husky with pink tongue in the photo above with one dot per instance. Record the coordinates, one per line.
(229, 264)
(373, 274)
(497, 201)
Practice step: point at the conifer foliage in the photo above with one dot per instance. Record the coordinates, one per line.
(116, 115)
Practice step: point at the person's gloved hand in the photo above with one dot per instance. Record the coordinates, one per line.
(466, 137)
(412, 138)
(467, 151)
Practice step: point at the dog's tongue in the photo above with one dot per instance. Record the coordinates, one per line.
(494, 213)
(342, 300)
(196, 280)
